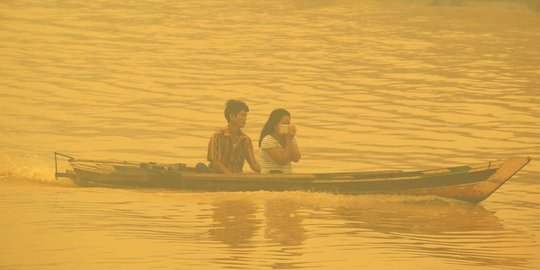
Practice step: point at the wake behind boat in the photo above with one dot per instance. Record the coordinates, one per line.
(473, 183)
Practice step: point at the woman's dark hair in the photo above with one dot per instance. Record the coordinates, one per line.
(234, 106)
(273, 120)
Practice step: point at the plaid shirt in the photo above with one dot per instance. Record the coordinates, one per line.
(232, 155)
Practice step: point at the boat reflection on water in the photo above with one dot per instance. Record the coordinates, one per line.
(432, 216)
(456, 231)
(451, 230)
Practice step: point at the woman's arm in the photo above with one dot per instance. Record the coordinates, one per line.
(292, 147)
(293, 150)
(281, 157)
(290, 152)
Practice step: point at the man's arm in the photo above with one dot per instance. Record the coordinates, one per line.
(218, 166)
(253, 164)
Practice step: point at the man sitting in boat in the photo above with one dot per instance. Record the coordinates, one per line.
(278, 143)
(229, 147)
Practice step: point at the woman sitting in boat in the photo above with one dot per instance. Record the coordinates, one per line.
(278, 143)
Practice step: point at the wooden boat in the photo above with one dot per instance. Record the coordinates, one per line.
(472, 183)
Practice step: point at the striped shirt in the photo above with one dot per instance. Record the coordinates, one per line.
(267, 163)
(231, 154)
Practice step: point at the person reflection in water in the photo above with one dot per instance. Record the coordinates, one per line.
(229, 147)
(235, 222)
(283, 222)
(278, 143)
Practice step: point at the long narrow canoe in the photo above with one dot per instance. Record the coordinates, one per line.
(472, 183)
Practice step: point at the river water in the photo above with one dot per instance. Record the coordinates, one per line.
(371, 85)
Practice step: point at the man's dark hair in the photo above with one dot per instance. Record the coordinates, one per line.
(234, 106)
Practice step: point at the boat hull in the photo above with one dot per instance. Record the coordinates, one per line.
(472, 183)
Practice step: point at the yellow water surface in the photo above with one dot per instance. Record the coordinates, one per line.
(371, 85)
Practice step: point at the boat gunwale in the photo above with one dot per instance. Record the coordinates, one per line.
(367, 176)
